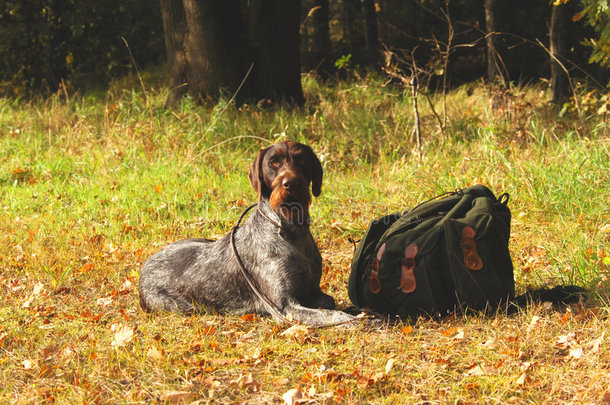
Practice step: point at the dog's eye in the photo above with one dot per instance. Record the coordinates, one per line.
(274, 163)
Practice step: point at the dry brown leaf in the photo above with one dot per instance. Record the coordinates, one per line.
(489, 343)
(475, 370)
(563, 341)
(38, 288)
(104, 302)
(596, 343)
(296, 331)
(576, 353)
(123, 334)
(293, 396)
(154, 353)
(533, 323)
(522, 379)
(389, 365)
(177, 397)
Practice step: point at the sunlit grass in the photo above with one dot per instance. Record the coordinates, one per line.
(92, 185)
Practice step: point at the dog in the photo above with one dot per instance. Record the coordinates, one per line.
(274, 243)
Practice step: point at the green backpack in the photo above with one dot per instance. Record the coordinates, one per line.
(446, 254)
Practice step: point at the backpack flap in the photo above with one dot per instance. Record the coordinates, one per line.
(478, 256)
(363, 258)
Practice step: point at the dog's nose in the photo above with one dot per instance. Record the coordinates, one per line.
(288, 183)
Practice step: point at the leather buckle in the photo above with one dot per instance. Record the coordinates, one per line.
(472, 260)
(408, 283)
(374, 283)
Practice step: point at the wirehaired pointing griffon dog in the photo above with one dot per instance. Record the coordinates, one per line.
(274, 244)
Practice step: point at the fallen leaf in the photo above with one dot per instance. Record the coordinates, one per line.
(475, 370)
(406, 329)
(448, 332)
(123, 334)
(563, 341)
(248, 383)
(293, 396)
(177, 397)
(522, 379)
(38, 288)
(104, 302)
(368, 381)
(154, 353)
(248, 317)
(595, 344)
(489, 343)
(126, 286)
(459, 335)
(576, 353)
(533, 323)
(281, 381)
(85, 268)
(389, 365)
(295, 331)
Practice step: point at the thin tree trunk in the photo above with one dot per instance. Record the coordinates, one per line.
(490, 25)
(213, 47)
(372, 32)
(560, 85)
(174, 28)
(353, 34)
(321, 47)
(273, 38)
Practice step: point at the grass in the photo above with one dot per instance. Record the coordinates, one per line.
(92, 185)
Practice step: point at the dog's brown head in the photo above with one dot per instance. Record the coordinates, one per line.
(282, 173)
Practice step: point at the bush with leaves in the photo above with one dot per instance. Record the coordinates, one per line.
(47, 42)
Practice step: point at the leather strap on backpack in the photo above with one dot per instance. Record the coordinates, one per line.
(407, 274)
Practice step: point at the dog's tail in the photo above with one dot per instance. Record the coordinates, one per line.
(560, 295)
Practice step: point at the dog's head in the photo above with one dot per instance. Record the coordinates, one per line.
(282, 174)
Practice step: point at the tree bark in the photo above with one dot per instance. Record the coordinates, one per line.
(273, 41)
(174, 27)
(490, 26)
(371, 32)
(560, 81)
(353, 35)
(213, 47)
(321, 47)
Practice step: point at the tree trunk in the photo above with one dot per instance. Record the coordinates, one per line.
(321, 48)
(560, 85)
(353, 35)
(213, 47)
(371, 32)
(490, 24)
(273, 39)
(174, 27)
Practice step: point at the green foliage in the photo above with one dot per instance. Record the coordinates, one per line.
(46, 42)
(597, 15)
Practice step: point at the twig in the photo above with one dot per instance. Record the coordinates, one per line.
(135, 66)
(576, 103)
(209, 128)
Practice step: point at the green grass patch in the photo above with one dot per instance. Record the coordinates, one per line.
(91, 186)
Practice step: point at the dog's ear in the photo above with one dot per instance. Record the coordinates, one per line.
(256, 176)
(316, 173)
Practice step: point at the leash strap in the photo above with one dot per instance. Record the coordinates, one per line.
(271, 307)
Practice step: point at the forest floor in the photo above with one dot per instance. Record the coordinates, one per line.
(92, 185)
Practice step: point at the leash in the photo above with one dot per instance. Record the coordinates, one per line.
(271, 307)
